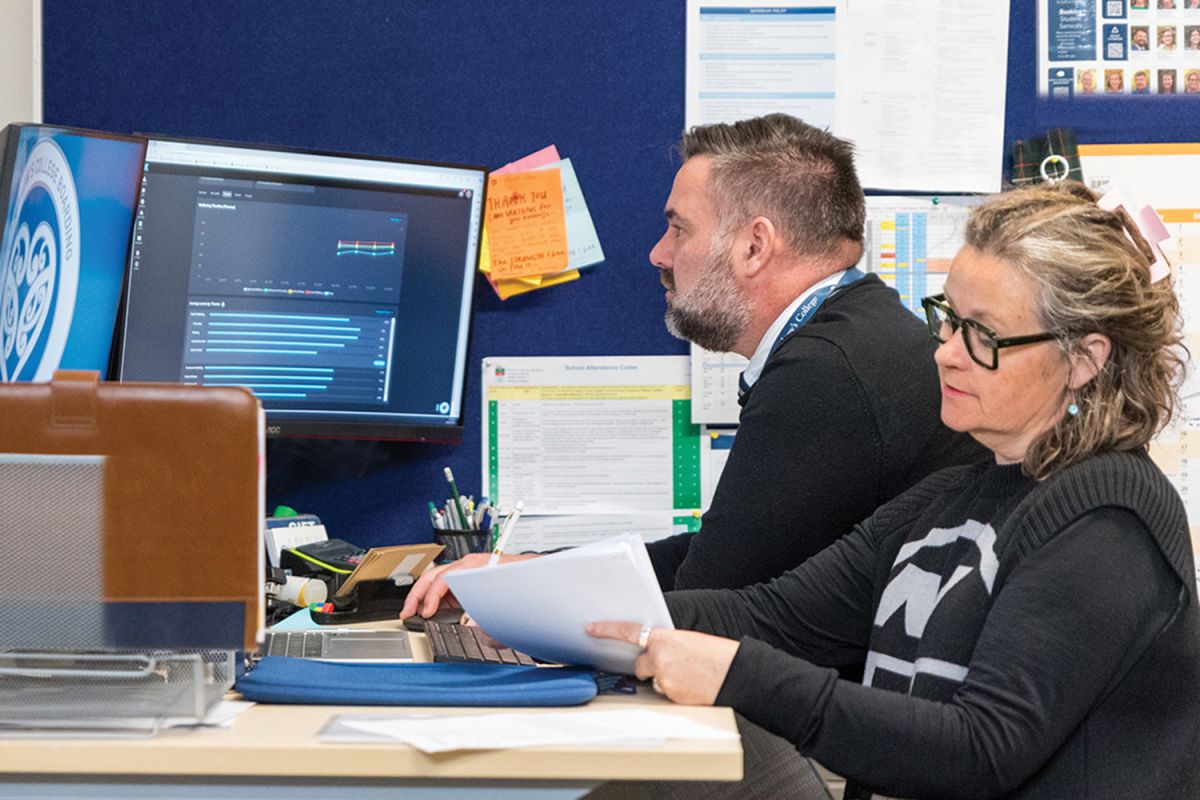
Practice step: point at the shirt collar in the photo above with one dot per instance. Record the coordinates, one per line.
(767, 343)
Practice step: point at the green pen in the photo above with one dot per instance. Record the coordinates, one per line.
(462, 524)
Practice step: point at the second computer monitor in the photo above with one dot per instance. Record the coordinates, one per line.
(66, 207)
(338, 288)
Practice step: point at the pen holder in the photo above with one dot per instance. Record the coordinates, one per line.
(460, 543)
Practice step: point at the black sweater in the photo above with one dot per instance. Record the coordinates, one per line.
(844, 417)
(1024, 641)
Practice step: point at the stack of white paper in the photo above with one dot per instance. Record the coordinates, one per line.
(541, 606)
(439, 733)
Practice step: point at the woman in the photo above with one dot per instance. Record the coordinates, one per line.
(1193, 37)
(1029, 625)
(1114, 80)
(1166, 37)
(1166, 81)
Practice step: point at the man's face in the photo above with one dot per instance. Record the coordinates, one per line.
(1141, 39)
(704, 303)
(1139, 82)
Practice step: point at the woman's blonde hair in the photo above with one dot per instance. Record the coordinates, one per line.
(1091, 271)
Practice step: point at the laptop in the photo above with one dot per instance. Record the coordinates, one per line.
(359, 645)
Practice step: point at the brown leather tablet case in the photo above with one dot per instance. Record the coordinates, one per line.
(130, 515)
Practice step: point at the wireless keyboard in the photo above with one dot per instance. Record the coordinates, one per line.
(450, 641)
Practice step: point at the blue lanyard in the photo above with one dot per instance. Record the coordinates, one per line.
(809, 307)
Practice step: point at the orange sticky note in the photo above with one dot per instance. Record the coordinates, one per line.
(527, 232)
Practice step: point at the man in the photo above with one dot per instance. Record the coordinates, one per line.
(1141, 82)
(1141, 38)
(842, 412)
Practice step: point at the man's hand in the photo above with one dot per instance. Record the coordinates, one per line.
(686, 666)
(430, 591)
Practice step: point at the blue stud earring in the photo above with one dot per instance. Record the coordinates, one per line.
(1073, 410)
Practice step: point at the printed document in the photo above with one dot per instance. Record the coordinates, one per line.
(1163, 175)
(541, 606)
(922, 95)
(590, 435)
(910, 242)
(745, 59)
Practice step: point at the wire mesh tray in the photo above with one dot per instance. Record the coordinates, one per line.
(58, 690)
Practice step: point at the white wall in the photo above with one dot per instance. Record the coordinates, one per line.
(20, 61)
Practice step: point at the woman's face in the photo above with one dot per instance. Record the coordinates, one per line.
(1194, 38)
(1166, 37)
(1114, 81)
(1007, 408)
(1167, 82)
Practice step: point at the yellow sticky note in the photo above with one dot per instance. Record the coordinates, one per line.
(527, 233)
(512, 288)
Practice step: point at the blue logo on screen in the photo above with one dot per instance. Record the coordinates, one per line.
(40, 264)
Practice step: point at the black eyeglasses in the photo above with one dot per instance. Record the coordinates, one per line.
(983, 345)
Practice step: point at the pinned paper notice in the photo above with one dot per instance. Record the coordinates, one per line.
(527, 232)
(583, 246)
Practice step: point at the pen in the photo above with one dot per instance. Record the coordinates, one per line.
(460, 523)
(506, 528)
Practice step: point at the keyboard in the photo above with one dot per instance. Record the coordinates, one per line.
(450, 641)
(296, 644)
(339, 644)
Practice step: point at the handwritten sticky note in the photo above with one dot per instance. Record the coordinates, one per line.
(527, 232)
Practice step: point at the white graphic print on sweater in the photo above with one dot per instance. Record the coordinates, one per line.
(916, 592)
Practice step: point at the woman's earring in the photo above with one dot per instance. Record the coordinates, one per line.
(1073, 410)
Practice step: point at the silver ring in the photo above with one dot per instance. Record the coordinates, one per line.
(654, 685)
(644, 637)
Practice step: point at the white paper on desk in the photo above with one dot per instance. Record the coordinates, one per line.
(439, 733)
(541, 606)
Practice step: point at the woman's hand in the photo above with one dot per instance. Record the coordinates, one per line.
(430, 591)
(688, 667)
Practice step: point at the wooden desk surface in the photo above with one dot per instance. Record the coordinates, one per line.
(281, 740)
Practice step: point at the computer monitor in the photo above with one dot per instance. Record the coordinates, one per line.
(337, 287)
(68, 197)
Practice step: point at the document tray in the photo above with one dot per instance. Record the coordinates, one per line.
(85, 691)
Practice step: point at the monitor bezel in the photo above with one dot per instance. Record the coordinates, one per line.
(284, 428)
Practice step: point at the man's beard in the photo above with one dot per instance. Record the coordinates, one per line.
(715, 313)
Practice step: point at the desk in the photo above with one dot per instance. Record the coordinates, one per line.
(272, 753)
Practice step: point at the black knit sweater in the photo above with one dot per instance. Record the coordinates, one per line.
(1020, 640)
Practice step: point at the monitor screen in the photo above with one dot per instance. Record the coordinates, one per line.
(336, 287)
(68, 198)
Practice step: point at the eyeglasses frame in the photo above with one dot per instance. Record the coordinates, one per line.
(938, 302)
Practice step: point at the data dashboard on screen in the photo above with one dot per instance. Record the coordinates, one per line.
(337, 288)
